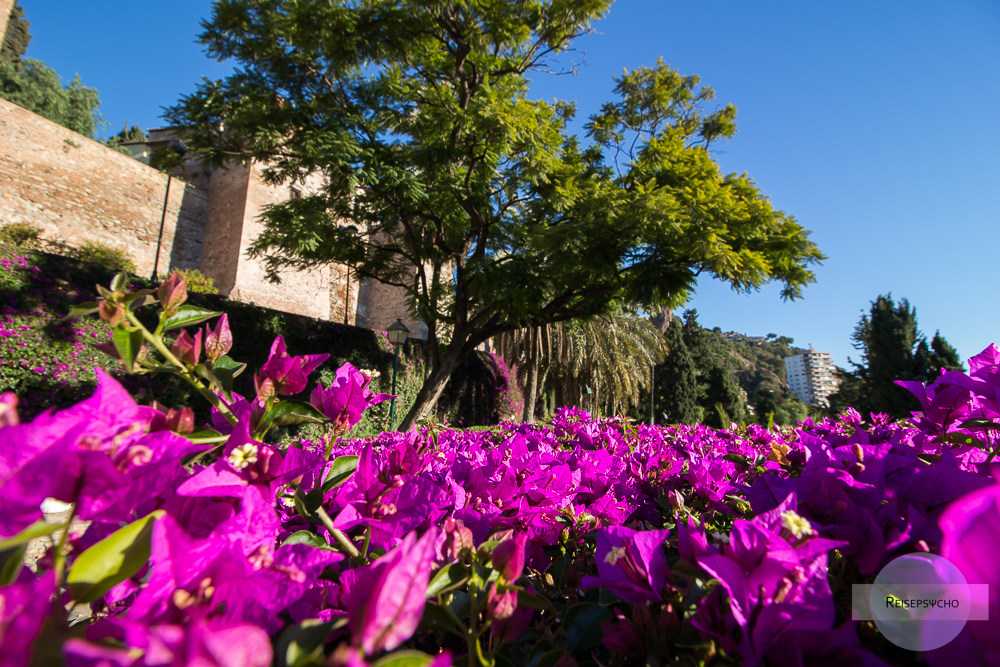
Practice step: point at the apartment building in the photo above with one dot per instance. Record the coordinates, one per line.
(811, 376)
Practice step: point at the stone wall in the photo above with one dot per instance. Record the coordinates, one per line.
(77, 190)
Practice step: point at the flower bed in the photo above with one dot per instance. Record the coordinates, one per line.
(585, 541)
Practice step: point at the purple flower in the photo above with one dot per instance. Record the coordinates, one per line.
(630, 563)
(347, 398)
(282, 374)
(24, 605)
(201, 643)
(971, 540)
(385, 600)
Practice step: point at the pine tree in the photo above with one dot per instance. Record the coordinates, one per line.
(724, 401)
(892, 348)
(939, 355)
(676, 398)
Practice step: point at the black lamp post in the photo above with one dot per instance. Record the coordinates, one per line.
(179, 150)
(397, 333)
(347, 295)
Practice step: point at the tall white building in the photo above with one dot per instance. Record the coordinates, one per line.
(811, 376)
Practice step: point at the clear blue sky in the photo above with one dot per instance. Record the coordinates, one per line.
(874, 123)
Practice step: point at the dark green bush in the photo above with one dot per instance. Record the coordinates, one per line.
(23, 234)
(197, 282)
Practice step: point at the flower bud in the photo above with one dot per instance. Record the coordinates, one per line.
(508, 557)
(180, 420)
(8, 409)
(457, 538)
(218, 341)
(500, 606)
(111, 312)
(187, 347)
(172, 292)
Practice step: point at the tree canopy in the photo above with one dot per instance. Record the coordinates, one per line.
(32, 84)
(474, 197)
(892, 348)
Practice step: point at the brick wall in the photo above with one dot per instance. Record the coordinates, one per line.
(5, 7)
(76, 189)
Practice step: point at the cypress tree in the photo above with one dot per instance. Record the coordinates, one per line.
(677, 381)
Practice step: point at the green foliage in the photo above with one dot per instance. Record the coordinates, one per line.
(723, 393)
(16, 39)
(939, 355)
(128, 134)
(197, 282)
(23, 234)
(36, 87)
(892, 348)
(418, 114)
(95, 252)
(676, 381)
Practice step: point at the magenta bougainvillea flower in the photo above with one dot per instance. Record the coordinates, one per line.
(347, 398)
(385, 600)
(284, 375)
(24, 605)
(630, 563)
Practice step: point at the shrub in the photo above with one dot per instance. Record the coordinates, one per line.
(197, 281)
(96, 252)
(22, 234)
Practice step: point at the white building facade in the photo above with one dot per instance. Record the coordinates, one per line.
(812, 377)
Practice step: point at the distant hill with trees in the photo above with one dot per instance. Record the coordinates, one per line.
(715, 377)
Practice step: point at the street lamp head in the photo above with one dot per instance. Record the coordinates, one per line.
(397, 332)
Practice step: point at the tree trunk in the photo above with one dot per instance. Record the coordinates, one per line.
(530, 392)
(431, 390)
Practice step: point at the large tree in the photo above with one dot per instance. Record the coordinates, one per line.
(418, 114)
(676, 387)
(37, 87)
(892, 348)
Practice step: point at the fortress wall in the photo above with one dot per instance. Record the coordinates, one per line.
(78, 190)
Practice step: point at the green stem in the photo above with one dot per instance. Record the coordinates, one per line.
(342, 540)
(182, 369)
(59, 563)
(366, 543)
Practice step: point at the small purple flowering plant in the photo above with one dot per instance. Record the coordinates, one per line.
(582, 541)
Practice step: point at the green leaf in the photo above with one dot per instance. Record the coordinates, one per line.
(447, 578)
(341, 470)
(534, 601)
(288, 412)
(958, 438)
(112, 560)
(229, 364)
(307, 537)
(980, 423)
(301, 645)
(405, 659)
(81, 310)
(306, 504)
(202, 433)
(128, 340)
(583, 626)
(119, 282)
(187, 315)
(11, 561)
(37, 529)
